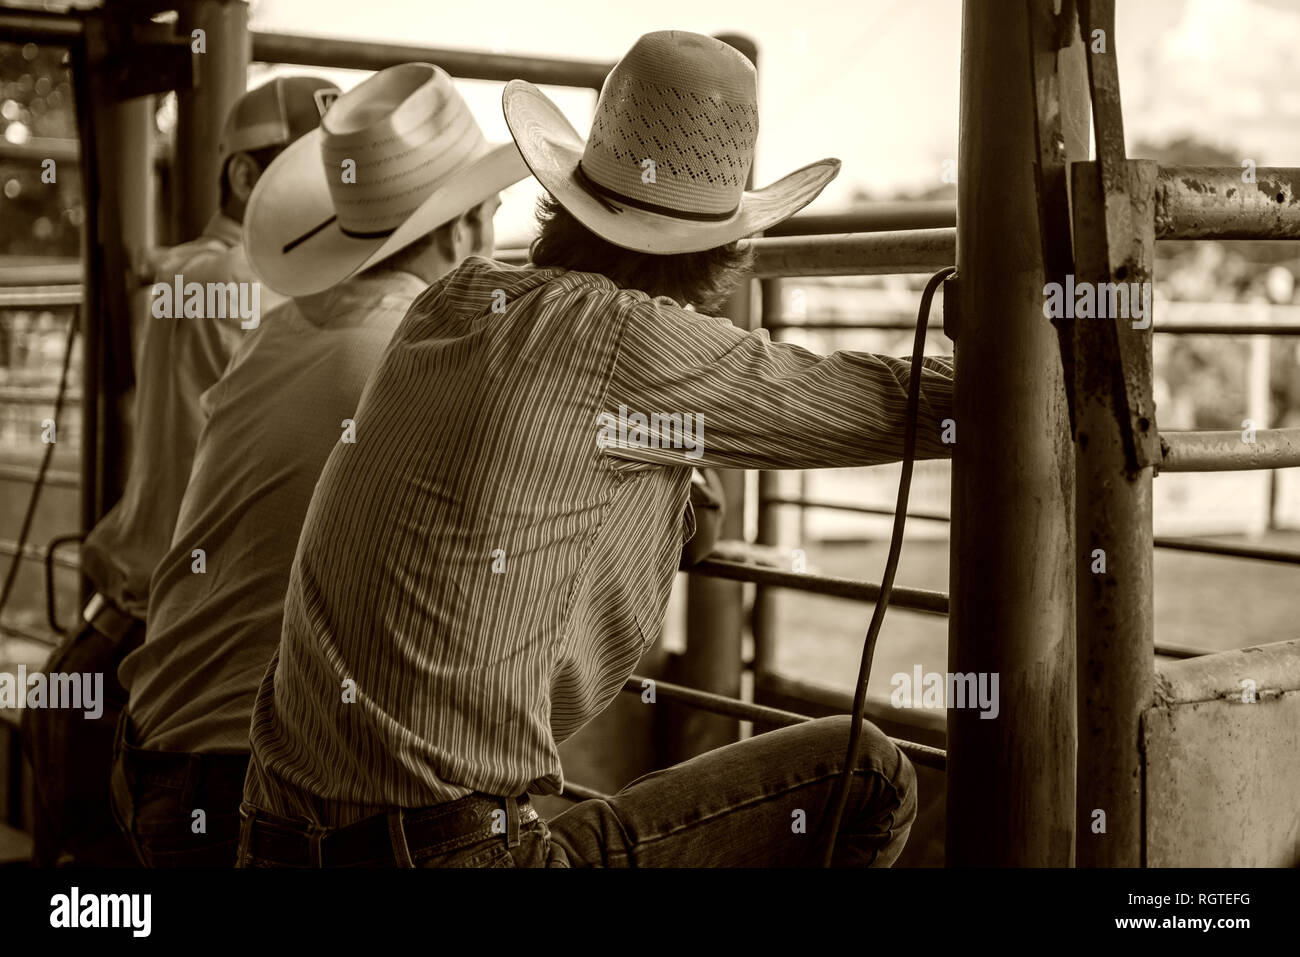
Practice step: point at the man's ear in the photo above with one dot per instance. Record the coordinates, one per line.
(480, 226)
(451, 238)
(468, 234)
(242, 172)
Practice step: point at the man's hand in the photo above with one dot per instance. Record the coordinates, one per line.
(708, 503)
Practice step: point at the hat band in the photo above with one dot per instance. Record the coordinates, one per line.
(294, 243)
(604, 193)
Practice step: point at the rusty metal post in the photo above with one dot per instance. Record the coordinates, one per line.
(715, 624)
(116, 135)
(220, 79)
(1010, 799)
(1116, 639)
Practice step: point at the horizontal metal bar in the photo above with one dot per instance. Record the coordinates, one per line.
(843, 254)
(1168, 328)
(1225, 329)
(898, 325)
(39, 148)
(748, 711)
(1178, 651)
(20, 395)
(28, 474)
(36, 26)
(576, 792)
(1229, 551)
(914, 599)
(922, 725)
(1202, 546)
(467, 64)
(871, 218)
(860, 509)
(1226, 452)
(44, 272)
(1215, 202)
(18, 297)
(9, 548)
(854, 254)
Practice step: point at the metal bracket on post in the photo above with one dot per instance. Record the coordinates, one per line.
(133, 56)
(1126, 229)
(951, 314)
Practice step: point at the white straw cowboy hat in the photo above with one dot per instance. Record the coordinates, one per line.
(670, 149)
(420, 160)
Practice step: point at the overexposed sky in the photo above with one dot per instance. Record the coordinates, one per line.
(873, 82)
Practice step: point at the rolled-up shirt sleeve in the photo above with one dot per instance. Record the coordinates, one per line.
(689, 389)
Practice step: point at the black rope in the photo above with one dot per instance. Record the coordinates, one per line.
(891, 563)
(39, 482)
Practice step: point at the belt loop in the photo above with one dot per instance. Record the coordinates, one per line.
(397, 836)
(119, 736)
(314, 852)
(512, 821)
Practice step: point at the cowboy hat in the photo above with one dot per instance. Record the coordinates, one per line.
(394, 158)
(671, 146)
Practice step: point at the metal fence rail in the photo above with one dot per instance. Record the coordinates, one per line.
(747, 711)
(1229, 451)
(915, 599)
(466, 64)
(850, 254)
(1203, 546)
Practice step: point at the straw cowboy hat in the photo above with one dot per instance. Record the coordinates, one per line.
(394, 158)
(671, 145)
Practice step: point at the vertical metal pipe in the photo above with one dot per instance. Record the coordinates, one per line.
(117, 183)
(1010, 796)
(220, 79)
(1116, 641)
(128, 156)
(88, 313)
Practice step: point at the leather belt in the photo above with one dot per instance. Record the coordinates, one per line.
(107, 619)
(392, 837)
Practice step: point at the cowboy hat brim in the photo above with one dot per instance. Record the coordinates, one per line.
(552, 149)
(292, 198)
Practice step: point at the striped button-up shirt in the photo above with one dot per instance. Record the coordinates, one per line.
(479, 573)
(272, 420)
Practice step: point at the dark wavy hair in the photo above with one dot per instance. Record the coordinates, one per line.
(704, 279)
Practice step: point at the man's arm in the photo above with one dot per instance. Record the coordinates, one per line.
(754, 403)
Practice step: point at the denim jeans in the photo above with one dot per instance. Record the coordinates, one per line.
(71, 757)
(762, 802)
(156, 795)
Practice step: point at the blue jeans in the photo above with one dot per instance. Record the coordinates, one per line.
(155, 797)
(72, 757)
(762, 802)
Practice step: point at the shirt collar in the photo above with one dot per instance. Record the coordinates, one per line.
(224, 229)
(361, 292)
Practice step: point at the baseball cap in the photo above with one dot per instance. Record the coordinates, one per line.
(275, 114)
